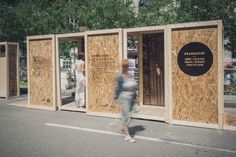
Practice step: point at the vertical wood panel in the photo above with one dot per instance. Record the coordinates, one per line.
(140, 68)
(3, 80)
(102, 68)
(41, 72)
(195, 99)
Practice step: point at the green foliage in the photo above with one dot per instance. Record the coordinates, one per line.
(202, 10)
(158, 12)
(21, 18)
(65, 47)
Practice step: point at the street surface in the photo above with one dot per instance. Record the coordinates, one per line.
(37, 133)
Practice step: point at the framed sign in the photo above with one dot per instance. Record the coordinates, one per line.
(195, 59)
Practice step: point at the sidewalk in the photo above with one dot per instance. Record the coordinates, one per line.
(30, 132)
(230, 101)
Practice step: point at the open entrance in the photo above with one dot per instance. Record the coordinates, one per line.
(72, 82)
(145, 51)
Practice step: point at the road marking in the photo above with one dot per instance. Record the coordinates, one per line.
(140, 137)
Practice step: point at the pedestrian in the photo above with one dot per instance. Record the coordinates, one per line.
(125, 96)
(80, 84)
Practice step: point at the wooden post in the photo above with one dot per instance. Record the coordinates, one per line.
(168, 75)
(140, 67)
(220, 75)
(7, 71)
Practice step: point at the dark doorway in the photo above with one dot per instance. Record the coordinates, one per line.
(153, 69)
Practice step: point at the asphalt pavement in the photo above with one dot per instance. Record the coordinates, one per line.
(38, 133)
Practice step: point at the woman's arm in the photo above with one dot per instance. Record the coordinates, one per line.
(118, 88)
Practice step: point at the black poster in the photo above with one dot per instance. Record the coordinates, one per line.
(195, 59)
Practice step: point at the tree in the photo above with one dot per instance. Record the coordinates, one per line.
(176, 11)
(21, 18)
(202, 10)
(155, 12)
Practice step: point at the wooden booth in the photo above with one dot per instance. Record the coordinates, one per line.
(41, 62)
(151, 66)
(180, 72)
(66, 69)
(197, 74)
(103, 59)
(9, 70)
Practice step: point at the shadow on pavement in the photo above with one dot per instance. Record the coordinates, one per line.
(133, 130)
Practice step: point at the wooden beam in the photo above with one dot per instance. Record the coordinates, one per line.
(17, 68)
(7, 71)
(54, 73)
(28, 68)
(86, 71)
(194, 24)
(105, 31)
(220, 75)
(140, 67)
(168, 75)
(58, 74)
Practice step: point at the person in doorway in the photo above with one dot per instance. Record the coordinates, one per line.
(125, 96)
(80, 84)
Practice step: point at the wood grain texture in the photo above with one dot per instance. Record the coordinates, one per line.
(195, 99)
(40, 72)
(103, 66)
(230, 119)
(153, 69)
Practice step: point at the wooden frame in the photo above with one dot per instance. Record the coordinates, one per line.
(168, 76)
(63, 37)
(100, 32)
(53, 61)
(7, 82)
(220, 75)
(168, 66)
(139, 32)
(218, 24)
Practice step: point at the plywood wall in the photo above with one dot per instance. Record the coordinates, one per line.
(103, 66)
(12, 53)
(3, 84)
(195, 98)
(229, 119)
(40, 72)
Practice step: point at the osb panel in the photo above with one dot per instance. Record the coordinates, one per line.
(40, 72)
(3, 84)
(230, 119)
(195, 98)
(103, 65)
(12, 51)
(153, 69)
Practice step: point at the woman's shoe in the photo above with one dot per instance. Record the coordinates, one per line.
(130, 139)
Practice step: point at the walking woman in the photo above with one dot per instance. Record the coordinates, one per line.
(125, 96)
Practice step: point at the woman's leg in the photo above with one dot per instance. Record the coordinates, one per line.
(126, 130)
(125, 110)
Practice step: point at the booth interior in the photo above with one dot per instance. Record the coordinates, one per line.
(145, 52)
(9, 70)
(72, 82)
